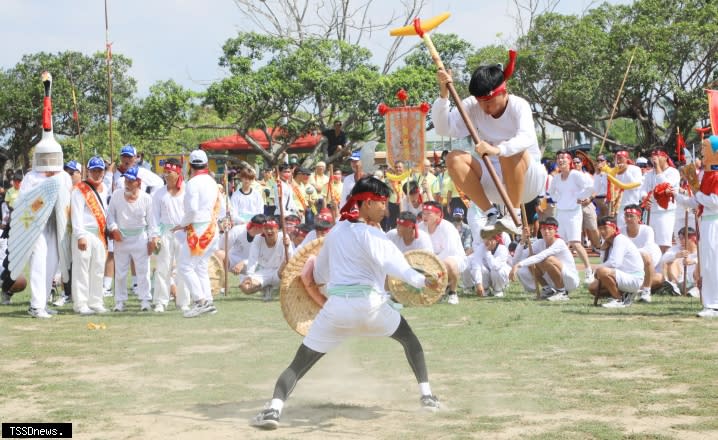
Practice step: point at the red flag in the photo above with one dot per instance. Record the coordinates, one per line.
(680, 145)
(713, 109)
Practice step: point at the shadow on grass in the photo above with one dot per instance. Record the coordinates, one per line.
(311, 417)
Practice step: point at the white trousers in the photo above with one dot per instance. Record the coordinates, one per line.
(43, 265)
(494, 279)
(663, 223)
(88, 269)
(135, 249)
(165, 262)
(709, 260)
(193, 270)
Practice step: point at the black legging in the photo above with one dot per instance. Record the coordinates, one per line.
(306, 358)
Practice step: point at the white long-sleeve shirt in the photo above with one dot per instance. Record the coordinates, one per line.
(631, 196)
(199, 199)
(558, 249)
(493, 261)
(136, 215)
(166, 208)
(422, 242)
(246, 206)
(624, 255)
(239, 244)
(513, 132)
(263, 257)
(651, 180)
(358, 254)
(80, 214)
(445, 240)
(567, 192)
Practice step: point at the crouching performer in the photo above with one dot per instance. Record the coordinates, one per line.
(553, 264)
(357, 303)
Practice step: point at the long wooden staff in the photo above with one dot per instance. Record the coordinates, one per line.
(685, 259)
(280, 192)
(108, 61)
(615, 103)
(525, 224)
(422, 30)
(76, 117)
(698, 258)
(228, 221)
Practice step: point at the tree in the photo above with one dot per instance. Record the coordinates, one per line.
(296, 21)
(21, 96)
(571, 67)
(274, 83)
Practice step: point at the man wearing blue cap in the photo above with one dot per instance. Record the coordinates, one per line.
(89, 244)
(131, 222)
(75, 171)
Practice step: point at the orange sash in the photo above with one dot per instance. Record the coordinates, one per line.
(198, 245)
(93, 203)
(300, 197)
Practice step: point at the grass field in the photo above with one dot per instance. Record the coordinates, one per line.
(510, 368)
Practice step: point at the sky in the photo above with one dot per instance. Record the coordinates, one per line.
(182, 39)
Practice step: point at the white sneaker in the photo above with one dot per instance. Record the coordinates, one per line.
(267, 294)
(107, 293)
(589, 278)
(453, 299)
(498, 294)
(5, 298)
(50, 311)
(614, 304)
(547, 292)
(145, 306)
(99, 310)
(60, 301)
(560, 295)
(185, 308)
(645, 296)
(674, 287)
(707, 313)
(694, 292)
(119, 307)
(85, 311)
(159, 308)
(200, 309)
(39, 313)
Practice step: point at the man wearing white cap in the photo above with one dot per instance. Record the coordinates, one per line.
(202, 206)
(89, 243)
(131, 222)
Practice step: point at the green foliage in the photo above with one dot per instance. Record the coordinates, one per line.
(21, 96)
(571, 67)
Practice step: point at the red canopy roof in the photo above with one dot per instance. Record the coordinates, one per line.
(237, 142)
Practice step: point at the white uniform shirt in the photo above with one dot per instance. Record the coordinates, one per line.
(513, 132)
(624, 256)
(558, 249)
(347, 186)
(166, 208)
(371, 259)
(651, 179)
(199, 198)
(125, 215)
(567, 192)
(645, 238)
(82, 217)
(246, 206)
(445, 240)
(238, 244)
(600, 184)
(422, 242)
(493, 261)
(262, 257)
(631, 196)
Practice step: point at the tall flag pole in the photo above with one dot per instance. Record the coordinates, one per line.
(76, 117)
(108, 59)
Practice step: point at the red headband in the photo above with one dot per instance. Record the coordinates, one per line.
(508, 72)
(177, 169)
(409, 224)
(432, 208)
(271, 223)
(614, 225)
(349, 211)
(633, 211)
(662, 153)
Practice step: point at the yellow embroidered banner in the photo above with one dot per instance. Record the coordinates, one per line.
(405, 134)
